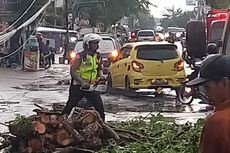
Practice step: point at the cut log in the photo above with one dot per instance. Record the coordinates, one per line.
(76, 135)
(53, 118)
(39, 127)
(45, 118)
(88, 117)
(34, 144)
(93, 129)
(49, 136)
(60, 118)
(63, 137)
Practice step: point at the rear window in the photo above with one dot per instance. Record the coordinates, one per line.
(217, 31)
(158, 52)
(105, 46)
(145, 33)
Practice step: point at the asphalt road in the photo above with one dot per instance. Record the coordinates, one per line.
(19, 91)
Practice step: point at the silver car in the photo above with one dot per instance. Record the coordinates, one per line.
(146, 35)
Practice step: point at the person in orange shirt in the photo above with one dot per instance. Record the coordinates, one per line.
(215, 78)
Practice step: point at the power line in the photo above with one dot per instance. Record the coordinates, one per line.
(18, 18)
(7, 36)
(26, 40)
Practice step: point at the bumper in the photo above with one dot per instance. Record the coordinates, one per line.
(153, 82)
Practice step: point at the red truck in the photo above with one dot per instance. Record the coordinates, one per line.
(215, 22)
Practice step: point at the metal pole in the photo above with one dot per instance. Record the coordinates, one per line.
(67, 30)
(54, 7)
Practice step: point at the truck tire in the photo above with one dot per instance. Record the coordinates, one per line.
(196, 39)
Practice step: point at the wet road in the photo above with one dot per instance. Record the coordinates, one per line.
(20, 90)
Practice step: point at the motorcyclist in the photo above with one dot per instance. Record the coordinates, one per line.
(85, 70)
(42, 47)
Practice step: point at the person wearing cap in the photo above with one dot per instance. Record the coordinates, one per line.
(42, 47)
(85, 70)
(215, 78)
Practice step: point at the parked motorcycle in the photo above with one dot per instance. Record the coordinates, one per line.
(186, 94)
(46, 62)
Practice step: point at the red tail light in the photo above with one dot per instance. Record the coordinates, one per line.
(137, 66)
(133, 35)
(179, 65)
(72, 55)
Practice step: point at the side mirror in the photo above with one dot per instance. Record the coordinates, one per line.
(212, 48)
(196, 39)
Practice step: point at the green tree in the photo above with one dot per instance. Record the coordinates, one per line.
(146, 21)
(172, 13)
(219, 4)
(115, 9)
(179, 20)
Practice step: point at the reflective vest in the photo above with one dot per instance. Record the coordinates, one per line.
(88, 69)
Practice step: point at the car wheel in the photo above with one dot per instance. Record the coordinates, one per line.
(127, 83)
(185, 94)
(110, 83)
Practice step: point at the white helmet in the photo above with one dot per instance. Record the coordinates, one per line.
(91, 37)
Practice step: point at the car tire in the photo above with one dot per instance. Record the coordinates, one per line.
(195, 34)
(110, 82)
(127, 83)
(180, 96)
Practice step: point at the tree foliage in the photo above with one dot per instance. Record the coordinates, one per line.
(115, 10)
(219, 4)
(176, 17)
(172, 13)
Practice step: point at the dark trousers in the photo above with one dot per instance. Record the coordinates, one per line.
(52, 57)
(75, 95)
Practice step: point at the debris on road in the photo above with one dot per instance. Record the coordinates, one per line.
(49, 129)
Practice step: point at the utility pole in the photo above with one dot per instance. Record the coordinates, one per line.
(67, 30)
(55, 13)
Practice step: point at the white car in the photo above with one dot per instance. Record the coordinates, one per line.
(146, 35)
(106, 46)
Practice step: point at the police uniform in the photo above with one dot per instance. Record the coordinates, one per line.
(89, 72)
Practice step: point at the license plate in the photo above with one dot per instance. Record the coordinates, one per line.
(159, 82)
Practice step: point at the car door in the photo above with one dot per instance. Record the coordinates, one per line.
(124, 65)
(115, 70)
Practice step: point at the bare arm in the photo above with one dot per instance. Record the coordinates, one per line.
(76, 64)
(100, 68)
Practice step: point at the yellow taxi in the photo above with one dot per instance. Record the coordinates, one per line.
(146, 65)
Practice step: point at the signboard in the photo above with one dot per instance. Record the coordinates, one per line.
(190, 2)
(31, 55)
(31, 62)
(59, 3)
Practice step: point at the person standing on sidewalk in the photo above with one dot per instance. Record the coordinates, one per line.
(215, 78)
(85, 70)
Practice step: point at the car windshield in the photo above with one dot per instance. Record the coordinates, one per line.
(145, 33)
(172, 29)
(157, 52)
(105, 46)
(217, 31)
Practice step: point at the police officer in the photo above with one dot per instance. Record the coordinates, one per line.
(85, 70)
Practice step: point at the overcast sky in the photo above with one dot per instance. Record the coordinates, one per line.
(161, 4)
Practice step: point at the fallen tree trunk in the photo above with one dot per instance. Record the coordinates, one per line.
(49, 130)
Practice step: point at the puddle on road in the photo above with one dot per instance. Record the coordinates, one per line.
(41, 87)
(150, 104)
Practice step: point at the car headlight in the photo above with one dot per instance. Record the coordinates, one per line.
(177, 35)
(166, 35)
